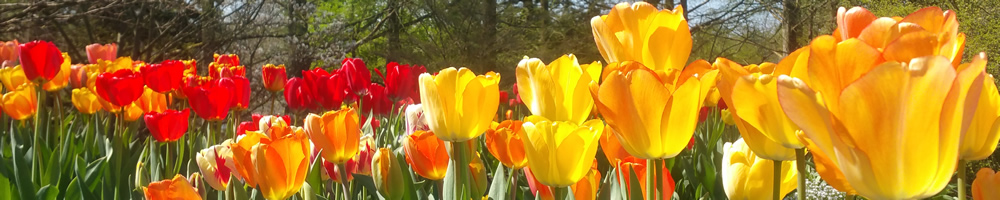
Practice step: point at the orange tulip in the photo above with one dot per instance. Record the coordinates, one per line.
(62, 78)
(8, 52)
(986, 184)
(152, 101)
(177, 188)
(20, 103)
(242, 150)
(336, 133)
(274, 77)
(426, 154)
(611, 147)
(503, 140)
(638, 166)
(928, 31)
(282, 163)
(584, 189)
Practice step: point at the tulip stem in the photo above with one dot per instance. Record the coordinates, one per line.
(343, 180)
(461, 168)
(38, 131)
(650, 176)
(848, 197)
(170, 160)
(776, 187)
(962, 178)
(274, 97)
(800, 165)
(560, 193)
(513, 184)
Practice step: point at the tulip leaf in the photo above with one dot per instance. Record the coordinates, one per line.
(498, 189)
(611, 189)
(314, 176)
(708, 176)
(22, 165)
(5, 190)
(73, 191)
(635, 192)
(47, 193)
(450, 182)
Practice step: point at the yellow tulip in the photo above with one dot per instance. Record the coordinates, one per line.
(85, 100)
(928, 31)
(216, 162)
(557, 91)
(651, 117)
(132, 112)
(981, 138)
(12, 76)
(152, 101)
(560, 153)
(459, 105)
(282, 163)
(504, 142)
(477, 174)
(893, 129)
(661, 40)
(62, 78)
(243, 155)
(753, 100)
(986, 184)
(387, 175)
(177, 188)
(745, 176)
(336, 133)
(21, 102)
(827, 168)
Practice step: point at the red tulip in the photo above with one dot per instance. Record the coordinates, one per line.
(246, 126)
(226, 59)
(241, 91)
(332, 91)
(274, 77)
(517, 97)
(106, 52)
(167, 126)
(376, 101)
(298, 95)
(40, 59)
(401, 81)
(8, 52)
(163, 77)
(357, 74)
(120, 88)
(211, 100)
(503, 96)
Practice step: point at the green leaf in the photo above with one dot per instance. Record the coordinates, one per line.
(612, 189)
(315, 175)
(74, 191)
(5, 189)
(22, 165)
(635, 192)
(47, 193)
(498, 189)
(709, 174)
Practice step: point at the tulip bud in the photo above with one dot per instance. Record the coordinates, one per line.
(195, 180)
(388, 175)
(140, 177)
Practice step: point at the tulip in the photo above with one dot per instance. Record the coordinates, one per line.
(981, 138)
(62, 78)
(652, 118)
(167, 126)
(21, 102)
(896, 119)
(171, 189)
(8, 51)
(12, 77)
(612, 149)
(297, 94)
(116, 64)
(415, 120)
(401, 81)
(559, 90)
(226, 59)
(241, 91)
(584, 189)
(574, 146)
(242, 155)
(517, 97)
(504, 141)
(745, 176)
(357, 75)
(761, 120)
(985, 185)
(211, 100)
(283, 162)
(246, 126)
(231, 71)
(78, 76)
(827, 168)
(151, 101)
(337, 133)
(163, 77)
(265, 123)
(477, 176)
(132, 112)
(928, 31)
(332, 171)
(40, 59)
(426, 154)
(660, 40)
(630, 165)
(216, 162)
(97, 52)
(274, 77)
(85, 100)
(458, 104)
(120, 88)
(376, 100)
(363, 159)
(387, 175)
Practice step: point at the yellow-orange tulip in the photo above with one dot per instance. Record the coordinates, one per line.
(387, 175)
(505, 143)
(659, 39)
(893, 129)
(630, 165)
(652, 117)
(243, 157)
(216, 162)
(336, 133)
(132, 112)
(753, 104)
(177, 188)
(62, 78)
(613, 150)
(986, 184)
(557, 91)
(477, 174)
(282, 163)
(85, 101)
(981, 138)
(459, 105)
(12, 76)
(426, 154)
(560, 153)
(928, 31)
(827, 168)
(152, 101)
(745, 176)
(20, 103)
(586, 188)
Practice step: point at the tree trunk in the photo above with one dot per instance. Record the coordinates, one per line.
(298, 60)
(395, 28)
(791, 22)
(490, 22)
